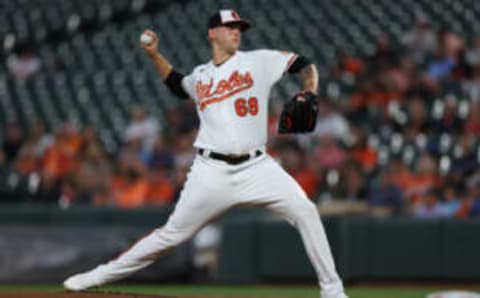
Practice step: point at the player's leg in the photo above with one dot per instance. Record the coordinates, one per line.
(271, 186)
(200, 201)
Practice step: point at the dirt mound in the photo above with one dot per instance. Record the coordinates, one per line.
(75, 295)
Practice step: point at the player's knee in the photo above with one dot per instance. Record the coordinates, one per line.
(172, 236)
(306, 210)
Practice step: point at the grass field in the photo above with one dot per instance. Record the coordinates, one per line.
(248, 291)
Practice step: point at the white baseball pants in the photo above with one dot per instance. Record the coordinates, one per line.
(212, 187)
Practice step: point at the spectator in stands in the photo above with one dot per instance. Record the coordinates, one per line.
(471, 85)
(355, 187)
(349, 64)
(441, 66)
(183, 118)
(142, 127)
(329, 154)
(91, 148)
(58, 163)
(418, 122)
(40, 138)
(473, 53)
(381, 91)
(450, 43)
(421, 41)
(27, 161)
(23, 65)
(403, 175)
(451, 201)
(184, 152)
(462, 69)
(385, 198)
(384, 57)
(470, 203)
(160, 156)
(424, 179)
(466, 203)
(450, 123)
(362, 153)
(293, 160)
(402, 74)
(161, 190)
(62, 156)
(129, 185)
(331, 121)
(93, 173)
(12, 142)
(429, 206)
(465, 157)
(475, 210)
(472, 124)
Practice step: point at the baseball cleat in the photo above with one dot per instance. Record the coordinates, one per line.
(80, 282)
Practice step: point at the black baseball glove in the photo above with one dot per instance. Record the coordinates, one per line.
(299, 114)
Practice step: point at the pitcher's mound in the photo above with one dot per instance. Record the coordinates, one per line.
(75, 295)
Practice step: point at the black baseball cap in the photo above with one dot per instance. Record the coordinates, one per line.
(225, 17)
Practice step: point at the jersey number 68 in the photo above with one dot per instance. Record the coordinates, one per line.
(244, 107)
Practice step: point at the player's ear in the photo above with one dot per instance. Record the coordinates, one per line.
(211, 33)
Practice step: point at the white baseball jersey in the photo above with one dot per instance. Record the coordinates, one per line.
(232, 99)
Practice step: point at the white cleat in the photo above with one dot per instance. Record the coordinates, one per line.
(80, 282)
(336, 296)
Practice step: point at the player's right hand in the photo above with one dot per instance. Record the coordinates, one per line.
(150, 48)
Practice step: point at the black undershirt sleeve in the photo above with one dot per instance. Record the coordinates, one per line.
(298, 64)
(174, 83)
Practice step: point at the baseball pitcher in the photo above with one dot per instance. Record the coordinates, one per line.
(231, 166)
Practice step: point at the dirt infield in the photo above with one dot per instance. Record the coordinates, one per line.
(97, 295)
(75, 295)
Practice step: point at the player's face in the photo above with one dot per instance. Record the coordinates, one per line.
(227, 37)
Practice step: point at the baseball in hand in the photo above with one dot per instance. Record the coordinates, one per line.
(146, 38)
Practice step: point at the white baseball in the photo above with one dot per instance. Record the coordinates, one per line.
(146, 38)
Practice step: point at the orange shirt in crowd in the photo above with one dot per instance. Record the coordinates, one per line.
(71, 144)
(377, 99)
(26, 164)
(160, 192)
(367, 157)
(463, 211)
(129, 194)
(382, 98)
(57, 163)
(402, 177)
(61, 157)
(353, 65)
(307, 180)
(472, 126)
(417, 185)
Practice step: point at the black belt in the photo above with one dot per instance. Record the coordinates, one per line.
(230, 158)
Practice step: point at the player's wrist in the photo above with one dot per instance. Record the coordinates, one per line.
(314, 92)
(153, 55)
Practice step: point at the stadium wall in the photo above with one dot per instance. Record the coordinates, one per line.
(45, 244)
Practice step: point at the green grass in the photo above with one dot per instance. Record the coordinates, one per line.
(256, 291)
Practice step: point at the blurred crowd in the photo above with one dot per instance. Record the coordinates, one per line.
(71, 165)
(397, 131)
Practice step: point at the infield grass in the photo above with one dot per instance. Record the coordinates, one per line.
(247, 291)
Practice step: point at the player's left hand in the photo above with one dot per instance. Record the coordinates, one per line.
(299, 114)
